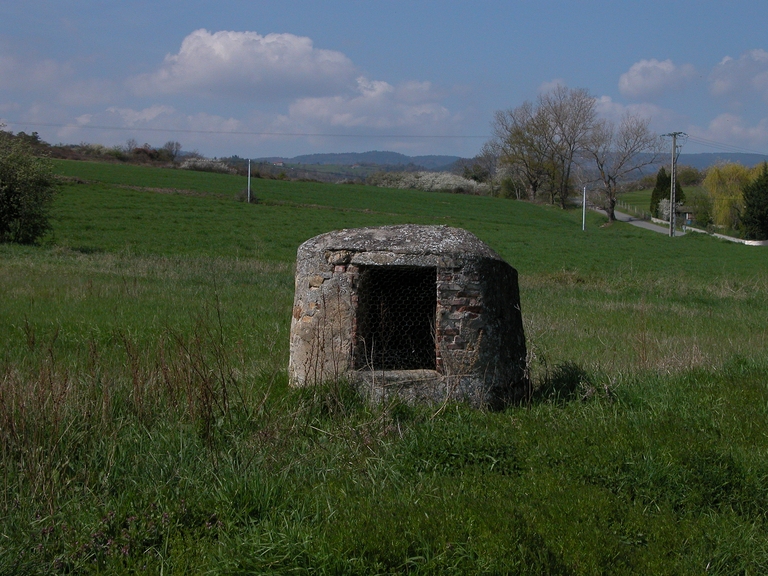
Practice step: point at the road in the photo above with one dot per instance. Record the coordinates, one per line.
(621, 217)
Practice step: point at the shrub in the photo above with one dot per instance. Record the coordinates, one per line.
(690, 176)
(205, 165)
(27, 187)
(662, 190)
(428, 182)
(755, 220)
(701, 204)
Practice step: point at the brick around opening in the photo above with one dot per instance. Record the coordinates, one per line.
(395, 318)
(426, 313)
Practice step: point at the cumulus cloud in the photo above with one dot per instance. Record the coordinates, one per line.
(746, 74)
(611, 110)
(373, 104)
(278, 87)
(734, 130)
(153, 124)
(652, 78)
(660, 119)
(248, 65)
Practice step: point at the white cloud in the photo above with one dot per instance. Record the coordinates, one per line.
(374, 104)
(651, 78)
(132, 117)
(249, 66)
(661, 120)
(546, 87)
(154, 124)
(738, 77)
(734, 130)
(611, 110)
(286, 88)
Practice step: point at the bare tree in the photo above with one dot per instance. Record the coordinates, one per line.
(488, 160)
(172, 148)
(520, 139)
(570, 115)
(542, 141)
(619, 152)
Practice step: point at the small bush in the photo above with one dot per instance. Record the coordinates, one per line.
(242, 196)
(27, 187)
(755, 220)
(428, 182)
(205, 165)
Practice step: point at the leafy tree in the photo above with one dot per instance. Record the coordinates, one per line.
(658, 194)
(724, 183)
(701, 204)
(662, 189)
(755, 219)
(27, 188)
(475, 171)
(689, 175)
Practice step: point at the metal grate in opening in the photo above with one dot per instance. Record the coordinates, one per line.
(395, 327)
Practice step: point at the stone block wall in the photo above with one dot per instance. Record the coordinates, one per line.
(342, 320)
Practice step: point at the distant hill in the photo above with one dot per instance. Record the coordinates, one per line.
(381, 158)
(368, 162)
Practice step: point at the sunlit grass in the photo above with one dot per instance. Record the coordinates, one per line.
(146, 421)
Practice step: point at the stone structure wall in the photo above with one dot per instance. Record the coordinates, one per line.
(477, 333)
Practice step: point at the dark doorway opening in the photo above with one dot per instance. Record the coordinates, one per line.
(395, 327)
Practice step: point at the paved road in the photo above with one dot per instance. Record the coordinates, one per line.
(621, 217)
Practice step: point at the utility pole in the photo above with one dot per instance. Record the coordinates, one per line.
(672, 199)
(249, 180)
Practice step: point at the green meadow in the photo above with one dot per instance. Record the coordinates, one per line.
(147, 424)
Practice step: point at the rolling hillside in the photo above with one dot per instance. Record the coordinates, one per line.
(147, 425)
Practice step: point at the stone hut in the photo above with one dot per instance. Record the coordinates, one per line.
(427, 313)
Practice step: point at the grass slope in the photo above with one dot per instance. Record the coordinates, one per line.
(146, 422)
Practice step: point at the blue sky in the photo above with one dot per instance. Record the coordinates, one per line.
(263, 78)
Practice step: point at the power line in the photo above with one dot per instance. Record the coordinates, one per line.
(242, 133)
(722, 146)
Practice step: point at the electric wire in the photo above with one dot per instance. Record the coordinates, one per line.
(241, 132)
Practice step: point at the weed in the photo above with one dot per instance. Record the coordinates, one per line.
(146, 422)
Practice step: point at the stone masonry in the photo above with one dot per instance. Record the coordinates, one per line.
(425, 313)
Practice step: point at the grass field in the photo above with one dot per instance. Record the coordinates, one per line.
(146, 421)
(640, 200)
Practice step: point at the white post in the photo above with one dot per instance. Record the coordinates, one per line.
(584, 210)
(249, 180)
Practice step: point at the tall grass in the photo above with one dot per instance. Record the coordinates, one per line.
(147, 425)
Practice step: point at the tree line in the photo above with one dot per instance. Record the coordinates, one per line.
(546, 149)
